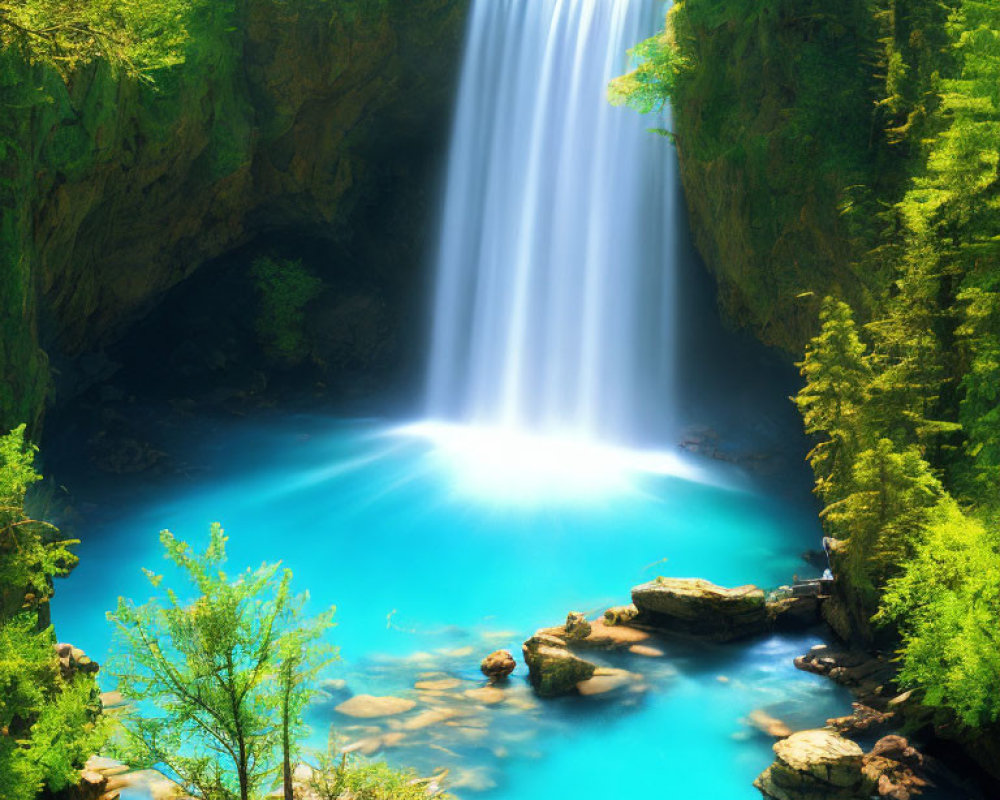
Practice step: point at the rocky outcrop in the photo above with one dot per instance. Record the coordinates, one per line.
(867, 675)
(498, 665)
(281, 121)
(553, 668)
(73, 660)
(697, 607)
(896, 768)
(790, 613)
(863, 720)
(816, 765)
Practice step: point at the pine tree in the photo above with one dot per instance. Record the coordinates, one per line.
(837, 379)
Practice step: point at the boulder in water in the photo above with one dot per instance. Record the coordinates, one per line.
(498, 665)
(552, 668)
(815, 765)
(699, 608)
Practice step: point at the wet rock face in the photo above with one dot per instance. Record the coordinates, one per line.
(815, 765)
(697, 607)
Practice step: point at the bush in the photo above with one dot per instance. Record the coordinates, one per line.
(284, 288)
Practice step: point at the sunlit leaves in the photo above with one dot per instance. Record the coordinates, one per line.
(947, 605)
(218, 669)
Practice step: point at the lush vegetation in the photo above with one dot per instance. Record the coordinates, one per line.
(902, 391)
(49, 717)
(284, 288)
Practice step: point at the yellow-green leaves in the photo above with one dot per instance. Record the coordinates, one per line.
(219, 671)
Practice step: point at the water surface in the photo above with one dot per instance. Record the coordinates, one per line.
(429, 572)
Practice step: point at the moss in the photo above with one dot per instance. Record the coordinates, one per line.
(773, 122)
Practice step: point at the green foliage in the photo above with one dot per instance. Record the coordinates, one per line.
(135, 36)
(882, 516)
(947, 603)
(922, 432)
(48, 724)
(361, 780)
(649, 86)
(202, 672)
(284, 288)
(30, 555)
(837, 377)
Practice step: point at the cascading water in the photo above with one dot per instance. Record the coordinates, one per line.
(554, 276)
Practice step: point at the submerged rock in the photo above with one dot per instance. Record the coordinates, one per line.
(366, 706)
(552, 668)
(766, 723)
(498, 665)
(699, 608)
(607, 680)
(646, 650)
(815, 765)
(488, 695)
(611, 637)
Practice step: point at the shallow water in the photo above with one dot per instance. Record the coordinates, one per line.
(430, 571)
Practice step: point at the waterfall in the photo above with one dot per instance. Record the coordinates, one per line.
(554, 294)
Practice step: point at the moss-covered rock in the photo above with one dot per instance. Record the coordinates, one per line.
(552, 668)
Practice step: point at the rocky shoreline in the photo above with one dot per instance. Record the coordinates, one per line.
(820, 764)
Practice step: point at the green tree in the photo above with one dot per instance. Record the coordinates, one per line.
(883, 513)
(30, 554)
(979, 408)
(202, 672)
(301, 657)
(946, 603)
(837, 380)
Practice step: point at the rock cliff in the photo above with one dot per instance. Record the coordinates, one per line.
(113, 190)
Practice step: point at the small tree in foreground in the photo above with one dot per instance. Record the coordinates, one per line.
(217, 684)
